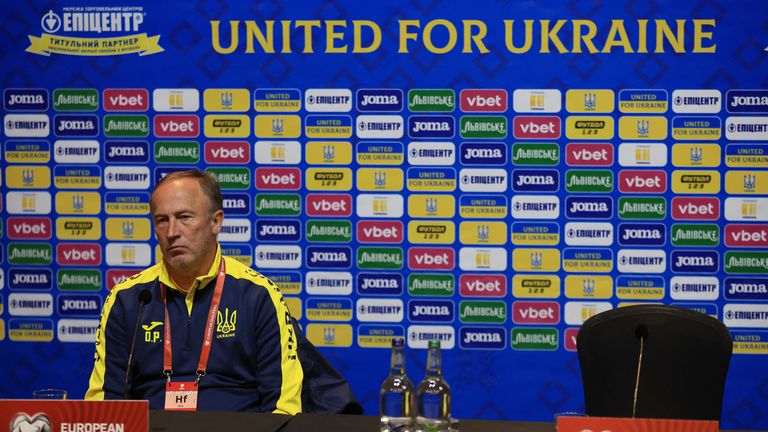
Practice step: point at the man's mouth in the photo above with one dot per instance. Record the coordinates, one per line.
(176, 250)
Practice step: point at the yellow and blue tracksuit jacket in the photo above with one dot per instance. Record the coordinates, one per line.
(253, 363)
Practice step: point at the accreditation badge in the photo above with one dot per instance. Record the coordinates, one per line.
(181, 396)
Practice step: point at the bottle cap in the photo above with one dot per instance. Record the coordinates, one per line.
(434, 343)
(398, 342)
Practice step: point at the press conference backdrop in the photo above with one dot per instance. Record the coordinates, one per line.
(489, 174)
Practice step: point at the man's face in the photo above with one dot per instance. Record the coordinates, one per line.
(184, 227)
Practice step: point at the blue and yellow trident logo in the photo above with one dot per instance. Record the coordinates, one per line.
(225, 324)
(431, 205)
(590, 101)
(643, 126)
(697, 154)
(226, 100)
(329, 152)
(28, 177)
(750, 182)
(483, 233)
(537, 259)
(78, 202)
(128, 229)
(278, 126)
(589, 287)
(329, 335)
(380, 179)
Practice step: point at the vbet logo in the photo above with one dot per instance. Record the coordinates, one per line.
(536, 312)
(123, 23)
(329, 205)
(642, 181)
(369, 231)
(177, 126)
(476, 100)
(480, 285)
(126, 100)
(115, 276)
(29, 228)
(589, 154)
(695, 208)
(227, 152)
(79, 254)
(741, 235)
(278, 178)
(435, 258)
(537, 127)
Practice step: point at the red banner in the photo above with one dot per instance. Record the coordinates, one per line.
(75, 415)
(618, 424)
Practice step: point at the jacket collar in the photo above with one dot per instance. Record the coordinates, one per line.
(200, 281)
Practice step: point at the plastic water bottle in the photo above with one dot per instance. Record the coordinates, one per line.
(396, 394)
(433, 396)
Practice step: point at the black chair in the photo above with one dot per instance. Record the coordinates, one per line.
(324, 389)
(684, 362)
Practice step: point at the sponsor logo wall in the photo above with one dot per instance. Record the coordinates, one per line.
(494, 215)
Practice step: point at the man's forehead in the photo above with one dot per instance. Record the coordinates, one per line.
(179, 194)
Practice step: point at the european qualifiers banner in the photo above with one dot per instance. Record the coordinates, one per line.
(490, 177)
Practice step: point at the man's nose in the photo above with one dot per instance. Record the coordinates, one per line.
(173, 228)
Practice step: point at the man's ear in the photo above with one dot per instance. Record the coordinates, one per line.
(216, 220)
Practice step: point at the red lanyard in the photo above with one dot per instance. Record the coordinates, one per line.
(212, 313)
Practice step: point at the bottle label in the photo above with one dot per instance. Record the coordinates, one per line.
(431, 405)
(393, 405)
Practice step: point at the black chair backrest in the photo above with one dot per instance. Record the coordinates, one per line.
(324, 390)
(684, 363)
